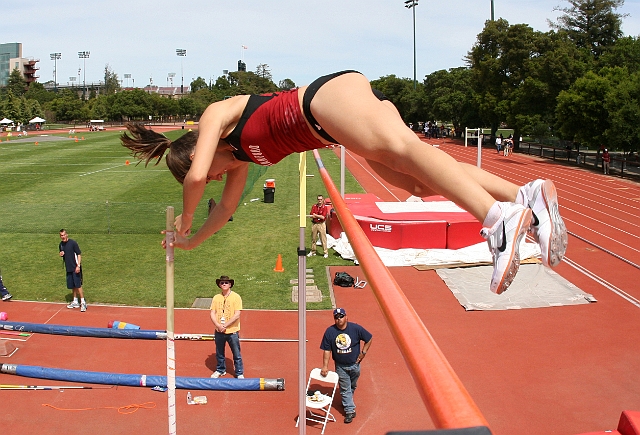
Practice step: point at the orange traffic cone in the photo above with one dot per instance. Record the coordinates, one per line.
(76, 139)
(126, 162)
(36, 143)
(279, 267)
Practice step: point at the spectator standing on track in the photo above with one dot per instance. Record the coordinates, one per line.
(319, 226)
(71, 255)
(499, 143)
(341, 341)
(225, 315)
(3, 291)
(606, 159)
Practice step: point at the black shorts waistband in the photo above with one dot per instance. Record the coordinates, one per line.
(311, 91)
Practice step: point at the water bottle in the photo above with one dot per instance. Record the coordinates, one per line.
(189, 401)
(115, 324)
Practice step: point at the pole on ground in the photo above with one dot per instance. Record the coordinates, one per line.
(171, 350)
(302, 301)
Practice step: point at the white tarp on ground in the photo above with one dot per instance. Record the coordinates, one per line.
(478, 253)
(535, 286)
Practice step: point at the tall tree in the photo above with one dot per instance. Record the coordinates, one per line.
(198, 84)
(17, 84)
(448, 96)
(111, 81)
(408, 101)
(592, 25)
(517, 74)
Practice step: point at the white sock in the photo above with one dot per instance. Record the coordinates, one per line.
(75, 300)
(521, 197)
(82, 300)
(493, 216)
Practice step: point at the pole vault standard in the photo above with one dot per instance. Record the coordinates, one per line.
(448, 402)
(137, 380)
(171, 350)
(302, 297)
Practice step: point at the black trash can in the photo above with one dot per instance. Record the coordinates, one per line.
(269, 193)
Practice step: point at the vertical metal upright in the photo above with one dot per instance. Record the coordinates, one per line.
(302, 301)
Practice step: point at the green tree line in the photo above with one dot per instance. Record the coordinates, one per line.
(579, 81)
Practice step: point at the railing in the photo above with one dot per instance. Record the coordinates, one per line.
(618, 165)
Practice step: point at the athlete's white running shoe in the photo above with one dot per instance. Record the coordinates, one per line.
(504, 242)
(547, 227)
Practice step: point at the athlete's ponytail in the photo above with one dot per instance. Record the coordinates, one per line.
(146, 145)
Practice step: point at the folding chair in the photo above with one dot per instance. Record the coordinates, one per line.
(323, 401)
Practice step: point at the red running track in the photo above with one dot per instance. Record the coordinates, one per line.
(553, 371)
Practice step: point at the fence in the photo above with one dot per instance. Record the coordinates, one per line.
(84, 218)
(582, 157)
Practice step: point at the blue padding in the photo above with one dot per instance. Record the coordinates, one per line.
(81, 331)
(220, 384)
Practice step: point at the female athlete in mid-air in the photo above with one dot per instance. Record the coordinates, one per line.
(342, 108)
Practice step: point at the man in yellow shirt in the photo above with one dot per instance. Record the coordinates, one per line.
(225, 315)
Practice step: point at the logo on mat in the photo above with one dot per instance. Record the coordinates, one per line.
(380, 228)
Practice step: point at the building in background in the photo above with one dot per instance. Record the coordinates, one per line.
(11, 58)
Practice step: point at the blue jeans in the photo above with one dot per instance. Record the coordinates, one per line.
(234, 345)
(348, 380)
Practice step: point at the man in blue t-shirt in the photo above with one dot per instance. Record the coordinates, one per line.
(341, 341)
(70, 253)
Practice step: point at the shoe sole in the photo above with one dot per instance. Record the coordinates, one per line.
(558, 238)
(514, 261)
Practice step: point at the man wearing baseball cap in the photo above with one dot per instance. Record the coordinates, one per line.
(341, 341)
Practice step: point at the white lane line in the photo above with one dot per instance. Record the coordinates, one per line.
(624, 295)
(373, 176)
(603, 235)
(100, 170)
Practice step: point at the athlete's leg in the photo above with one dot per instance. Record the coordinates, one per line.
(347, 109)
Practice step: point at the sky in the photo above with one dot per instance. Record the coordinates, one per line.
(299, 40)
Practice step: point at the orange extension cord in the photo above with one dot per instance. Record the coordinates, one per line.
(127, 409)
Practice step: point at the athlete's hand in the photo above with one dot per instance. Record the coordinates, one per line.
(183, 224)
(178, 241)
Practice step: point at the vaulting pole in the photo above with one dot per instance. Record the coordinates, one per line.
(448, 402)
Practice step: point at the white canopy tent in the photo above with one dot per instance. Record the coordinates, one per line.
(6, 121)
(37, 120)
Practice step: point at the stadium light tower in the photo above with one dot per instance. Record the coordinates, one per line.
(84, 55)
(54, 58)
(492, 16)
(411, 4)
(182, 53)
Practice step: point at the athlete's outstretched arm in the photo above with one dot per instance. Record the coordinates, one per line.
(213, 124)
(233, 187)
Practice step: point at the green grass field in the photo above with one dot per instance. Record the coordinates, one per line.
(116, 211)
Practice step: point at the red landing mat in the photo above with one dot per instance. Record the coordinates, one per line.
(436, 223)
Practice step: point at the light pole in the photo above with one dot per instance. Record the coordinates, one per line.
(84, 55)
(492, 10)
(54, 58)
(411, 4)
(127, 76)
(72, 80)
(182, 53)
